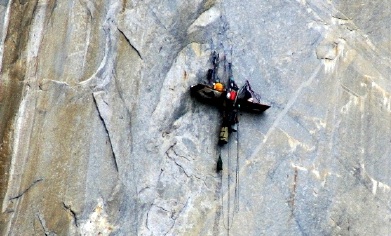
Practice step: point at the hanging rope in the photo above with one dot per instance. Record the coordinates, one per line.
(230, 219)
(237, 187)
(229, 187)
(232, 204)
(228, 224)
(231, 214)
(236, 197)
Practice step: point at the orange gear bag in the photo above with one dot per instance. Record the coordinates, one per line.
(218, 86)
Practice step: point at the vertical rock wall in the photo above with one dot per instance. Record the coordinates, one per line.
(100, 136)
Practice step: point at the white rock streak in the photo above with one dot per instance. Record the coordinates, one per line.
(288, 106)
(97, 223)
(205, 19)
(25, 116)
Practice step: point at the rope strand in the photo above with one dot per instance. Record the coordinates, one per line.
(230, 214)
(237, 187)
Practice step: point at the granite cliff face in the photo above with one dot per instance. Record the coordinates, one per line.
(99, 134)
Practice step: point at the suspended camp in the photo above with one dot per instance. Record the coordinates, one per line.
(228, 98)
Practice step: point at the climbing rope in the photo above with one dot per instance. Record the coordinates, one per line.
(237, 187)
(230, 210)
(230, 216)
(228, 224)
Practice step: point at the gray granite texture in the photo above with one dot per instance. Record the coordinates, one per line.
(99, 134)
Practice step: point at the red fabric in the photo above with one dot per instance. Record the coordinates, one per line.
(232, 95)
